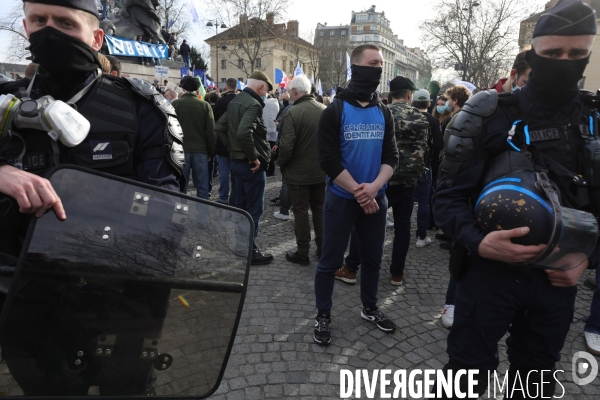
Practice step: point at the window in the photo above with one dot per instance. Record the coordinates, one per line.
(240, 63)
(223, 79)
(374, 27)
(376, 38)
(367, 38)
(353, 39)
(240, 45)
(343, 33)
(258, 63)
(361, 18)
(360, 27)
(320, 34)
(331, 33)
(223, 64)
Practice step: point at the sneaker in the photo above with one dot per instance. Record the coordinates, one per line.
(590, 283)
(345, 275)
(379, 319)
(423, 242)
(279, 215)
(448, 316)
(260, 259)
(322, 334)
(389, 224)
(397, 279)
(294, 257)
(275, 200)
(592, 342)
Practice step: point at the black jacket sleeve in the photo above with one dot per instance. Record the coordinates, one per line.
(328, 141)
(436, 133)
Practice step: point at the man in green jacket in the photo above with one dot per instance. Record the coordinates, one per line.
(242, 130)
(299, 162)
(198, 125)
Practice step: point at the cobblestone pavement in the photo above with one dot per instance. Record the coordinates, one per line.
(274, 355)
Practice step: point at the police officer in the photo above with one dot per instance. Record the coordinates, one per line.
(140, 127)
(134, 134)
(535, 306)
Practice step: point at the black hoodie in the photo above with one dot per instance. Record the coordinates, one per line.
(328, 136)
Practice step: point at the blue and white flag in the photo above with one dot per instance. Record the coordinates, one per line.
(348, 67)
(312, 80)
(298, 70)
(319, 88)
(132, 48)
(468, 85)
(279, 74)
(183, 71)
(241, 85)
(171, 22)
(194, 13)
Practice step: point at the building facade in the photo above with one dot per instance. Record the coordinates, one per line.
(591, 80)
(256, 44)
(369, 27)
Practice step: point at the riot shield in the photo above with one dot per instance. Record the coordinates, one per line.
(138, 292)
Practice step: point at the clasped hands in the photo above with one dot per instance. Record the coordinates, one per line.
(365, 196)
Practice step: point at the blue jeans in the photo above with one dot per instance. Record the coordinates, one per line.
(186, 60)
(211, 169)
(156, 61)
(104, 9)
(401, 201)
(593, 323)
(340, 217)
(224, 168)
(250, 192)
(422, 194)
(198, 164)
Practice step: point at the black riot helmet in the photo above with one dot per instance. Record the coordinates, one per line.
(515, 195)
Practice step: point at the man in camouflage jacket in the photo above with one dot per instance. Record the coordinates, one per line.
(411, 129)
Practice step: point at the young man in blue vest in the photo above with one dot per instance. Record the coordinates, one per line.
(357, 151)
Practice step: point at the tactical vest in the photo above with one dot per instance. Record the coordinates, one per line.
(555, 149)
(110, 107)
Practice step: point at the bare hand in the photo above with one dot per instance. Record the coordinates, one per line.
(569, 277)
(208, 159)
(275, 149)
(365, 193)
(498, 246)
(256, 165)
(371, 207)
(34, 194)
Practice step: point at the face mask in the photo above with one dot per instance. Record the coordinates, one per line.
(286, 103)
(264, 98)
(64, 61)
(281, 103)
(448, 108)
(556, 79)
(516, 87)
(364, 81)
(440, 109)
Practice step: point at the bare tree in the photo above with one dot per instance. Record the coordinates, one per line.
(12, 23)
(251, 25)
(482, 36)
(175, 13)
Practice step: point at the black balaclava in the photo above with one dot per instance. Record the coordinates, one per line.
(557, 79)
(364, 81)
(64, 61)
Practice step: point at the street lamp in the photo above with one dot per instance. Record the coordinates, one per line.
(223, 26)
(472, 4)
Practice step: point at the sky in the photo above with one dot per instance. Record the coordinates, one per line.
(405, 17)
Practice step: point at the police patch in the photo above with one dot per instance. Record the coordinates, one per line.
(544, 134)
(101, 150)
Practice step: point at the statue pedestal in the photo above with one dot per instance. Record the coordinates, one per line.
(132, 67)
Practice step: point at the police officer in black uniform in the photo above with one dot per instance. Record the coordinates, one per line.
(140, 126)
(134, 134)
(535, 306)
